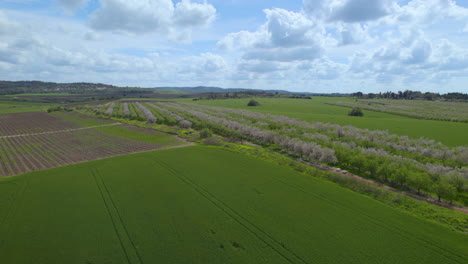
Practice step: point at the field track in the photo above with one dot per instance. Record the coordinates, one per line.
(59, 131)
(37, 141)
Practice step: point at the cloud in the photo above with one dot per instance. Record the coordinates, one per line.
(352, 34)
(259, 66)
(205, 63)
(419, 52)
(189, 14)
(429, 11)
(289, 29)
(285, 37)
(361, 10)
(323, 69)
(243, 40)
(284, 55)
(339, 45)
(91, 35)
(145, 16)
(133, 16)
(349, 11)
(6, 25)
(449, 57)
(72, 5)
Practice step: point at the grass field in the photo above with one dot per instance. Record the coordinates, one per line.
(9, 106)
(432, 110)
(205, 205)
(169, 91)
(449, 133)
(22, 109)
(124, 131)
(40, 94)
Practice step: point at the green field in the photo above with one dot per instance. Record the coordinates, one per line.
(9, 106)
(205, 205)
(10, 109)
(449, 133)
(169, 91)
(40, 94)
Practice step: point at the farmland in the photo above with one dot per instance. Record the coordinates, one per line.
(446, 111)
(265, 194)
(206, 205)
(315, 110)
(37, 140)
(422, 166)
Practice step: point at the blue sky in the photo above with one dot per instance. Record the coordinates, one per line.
(309, 45)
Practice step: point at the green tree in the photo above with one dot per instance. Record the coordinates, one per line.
(205, 133)
(445, 190)
(419, 182)
(356, 111)
(252, 102)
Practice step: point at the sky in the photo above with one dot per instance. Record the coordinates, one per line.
(321, 46)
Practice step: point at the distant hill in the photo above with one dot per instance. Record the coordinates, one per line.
(38, 87)
(82, 88)
(209, 89)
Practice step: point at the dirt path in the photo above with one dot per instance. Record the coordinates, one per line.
(429, 198)
(58, 131)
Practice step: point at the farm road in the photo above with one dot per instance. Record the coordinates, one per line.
(58, 131)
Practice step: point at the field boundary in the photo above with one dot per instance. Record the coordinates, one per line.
(59, 131)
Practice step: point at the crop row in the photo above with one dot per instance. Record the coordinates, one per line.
(150, 112)
(423, 150)
(447, 111)
(447, 182)
(27, 123)
(29, 153)
(419, 164)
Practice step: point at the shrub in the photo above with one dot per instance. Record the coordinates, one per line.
(253, 103)
(212, 141)
(185, 124)
(205, 133)
(59, 109)
(356, 111)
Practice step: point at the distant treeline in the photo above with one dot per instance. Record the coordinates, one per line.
(247, 94)
(22, 87)
(413, 95)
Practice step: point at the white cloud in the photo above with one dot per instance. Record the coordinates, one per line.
(72, 5)
(349, 11)
(286, 36)
(133, 16)
(352, 34)
(145, 16)
(259, 66)
(323, 69)
(418, 53)
(243, 39)
(91, 35)
(329, 45)
(6, 25)
(205, 63)
(361, 10)
(189, 14)
(284, 54)
(429, 11)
